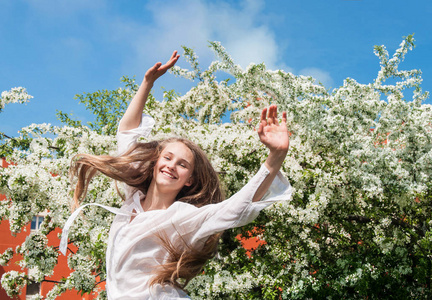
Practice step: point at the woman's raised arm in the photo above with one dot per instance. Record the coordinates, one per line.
(274, 136)
(132, 117)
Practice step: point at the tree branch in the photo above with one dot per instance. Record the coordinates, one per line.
(100, 282)
(52, 281)
(359, 219)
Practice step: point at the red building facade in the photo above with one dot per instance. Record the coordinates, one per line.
(8, 241)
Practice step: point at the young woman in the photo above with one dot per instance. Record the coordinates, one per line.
(169, 224)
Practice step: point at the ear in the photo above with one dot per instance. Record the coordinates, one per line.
(189, 182)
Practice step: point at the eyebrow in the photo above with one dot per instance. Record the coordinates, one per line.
(183, 159)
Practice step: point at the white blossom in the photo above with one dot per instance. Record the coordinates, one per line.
(15, 95)
(359, 162)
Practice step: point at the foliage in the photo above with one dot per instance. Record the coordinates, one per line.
(107, 106)
(15, 95)
(360, 162)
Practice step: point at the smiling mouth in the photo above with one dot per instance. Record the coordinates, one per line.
(169, 175)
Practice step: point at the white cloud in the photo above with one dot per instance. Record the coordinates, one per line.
(318, 74)
(167, 25)
(195, 23)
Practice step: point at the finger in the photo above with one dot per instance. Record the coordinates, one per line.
(275, 115)
(170, 63)
(264, 115)
(263, 120)
(174, 57)
(274, 111)
(284, 117)
(173, 60)
(155, 67)
(260, 129)
(271, 119)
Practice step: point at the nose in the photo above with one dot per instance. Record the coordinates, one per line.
(170, 165)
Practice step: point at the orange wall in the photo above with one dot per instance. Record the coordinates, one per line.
(252, 242)
(9, 241)
(60, 270)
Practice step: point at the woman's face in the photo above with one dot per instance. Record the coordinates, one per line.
(174, 167)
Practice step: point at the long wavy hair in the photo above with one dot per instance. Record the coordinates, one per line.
(135, 168)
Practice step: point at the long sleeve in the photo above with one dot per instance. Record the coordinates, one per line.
(238, 210)
(134, 249)
(125, 140)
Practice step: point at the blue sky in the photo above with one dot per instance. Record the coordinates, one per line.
(57, 49)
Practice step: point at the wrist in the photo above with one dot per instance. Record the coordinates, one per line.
(278, 153)
(147, 83)
(275, 159)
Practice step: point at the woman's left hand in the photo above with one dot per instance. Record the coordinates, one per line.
(273, 134)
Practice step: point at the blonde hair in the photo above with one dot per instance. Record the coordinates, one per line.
(135, 168)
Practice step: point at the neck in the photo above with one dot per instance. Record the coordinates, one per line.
(156, 199)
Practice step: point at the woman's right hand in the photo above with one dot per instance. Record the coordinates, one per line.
(132, 117)
(158, 69)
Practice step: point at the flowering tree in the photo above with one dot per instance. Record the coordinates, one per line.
(360, 161)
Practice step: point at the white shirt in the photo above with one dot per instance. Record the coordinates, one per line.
(134, 250)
